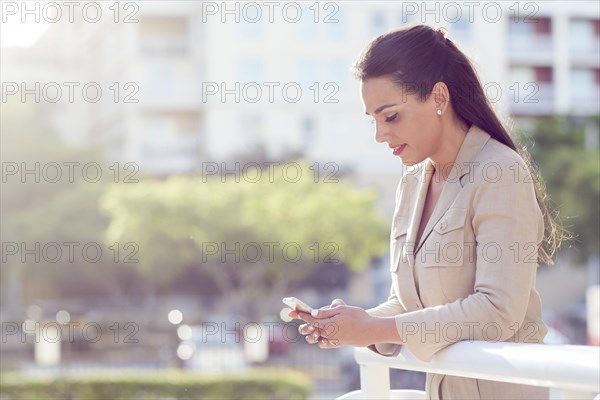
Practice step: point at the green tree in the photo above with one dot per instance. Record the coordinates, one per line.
(571, 171)
(191, 220)
(39, 211)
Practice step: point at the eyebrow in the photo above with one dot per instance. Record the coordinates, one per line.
(381, 108)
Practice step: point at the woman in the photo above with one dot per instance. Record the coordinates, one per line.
(468, 227)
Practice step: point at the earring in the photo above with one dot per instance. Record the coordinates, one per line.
(439, 112)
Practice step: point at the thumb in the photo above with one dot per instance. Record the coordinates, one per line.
(337, 302)
(325, 312)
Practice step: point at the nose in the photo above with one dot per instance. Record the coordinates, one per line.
(381, 134)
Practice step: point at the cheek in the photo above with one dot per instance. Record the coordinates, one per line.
(421, 128)
(424, 138)
(430, 138)
(428, 127)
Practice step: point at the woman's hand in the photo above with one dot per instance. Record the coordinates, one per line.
(312, 332)
(338, 325)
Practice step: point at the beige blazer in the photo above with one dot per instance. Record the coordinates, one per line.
(472, 274)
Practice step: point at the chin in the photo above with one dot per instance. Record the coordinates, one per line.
(409, 162)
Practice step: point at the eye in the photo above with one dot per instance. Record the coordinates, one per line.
(391, 118)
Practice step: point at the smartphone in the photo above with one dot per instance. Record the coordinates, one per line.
(296, 304)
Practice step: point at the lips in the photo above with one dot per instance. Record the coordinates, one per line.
(398, 149)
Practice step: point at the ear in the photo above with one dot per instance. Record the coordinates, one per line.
(441, 95)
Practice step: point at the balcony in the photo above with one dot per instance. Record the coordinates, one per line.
(585, 53)
(532, 98)
(171, 155)
(170, 85)
(164, 46)
(572, 372)
(530, 49)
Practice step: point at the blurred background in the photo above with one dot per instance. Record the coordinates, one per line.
(172, 169)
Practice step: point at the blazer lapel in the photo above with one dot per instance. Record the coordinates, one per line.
(417, 212)
(449, 192)
(408, 295)
(474, 141)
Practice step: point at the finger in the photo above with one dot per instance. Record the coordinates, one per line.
(338, 302)
(306, 329)
(306, 317)
(334, 303)
(326, 312)
(317, 323)
(329, 331)
(299, 315)
(328, 343)
(313, 338)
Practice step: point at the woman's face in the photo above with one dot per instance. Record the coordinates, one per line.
(411, 128)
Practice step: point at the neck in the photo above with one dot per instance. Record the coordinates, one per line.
(451, 142)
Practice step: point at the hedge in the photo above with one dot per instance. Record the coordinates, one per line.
(257, 384)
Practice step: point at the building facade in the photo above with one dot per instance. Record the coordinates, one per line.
(187, 82)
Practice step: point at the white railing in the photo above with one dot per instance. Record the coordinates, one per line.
(573, 371)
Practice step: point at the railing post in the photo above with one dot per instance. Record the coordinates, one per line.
(375, 381)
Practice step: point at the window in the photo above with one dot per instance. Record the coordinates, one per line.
(583, 36)
(161, 81)
(519, 28)
(543, 74)
(585, 82)
(461, 27)
(533, 26)
(307, 73)
(522, 75)
(159, 132)
(250, 70)
(542, 26)
(164, 36)
(531, 74)
(582, 78)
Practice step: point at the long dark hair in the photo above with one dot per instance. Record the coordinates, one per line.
(416, 58)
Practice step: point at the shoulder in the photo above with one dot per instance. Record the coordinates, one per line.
(503, 183)
(498, 163)
(504, 196)
(500, 153)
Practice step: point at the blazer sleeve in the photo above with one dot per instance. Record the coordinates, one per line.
(507, 222)
(391, 307)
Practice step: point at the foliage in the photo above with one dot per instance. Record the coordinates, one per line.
(269, 384)
(571, 171)
(41, 211)
(192, 220)
(171, 222)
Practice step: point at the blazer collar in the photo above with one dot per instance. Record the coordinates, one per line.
(463, 165)
(474, 141)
